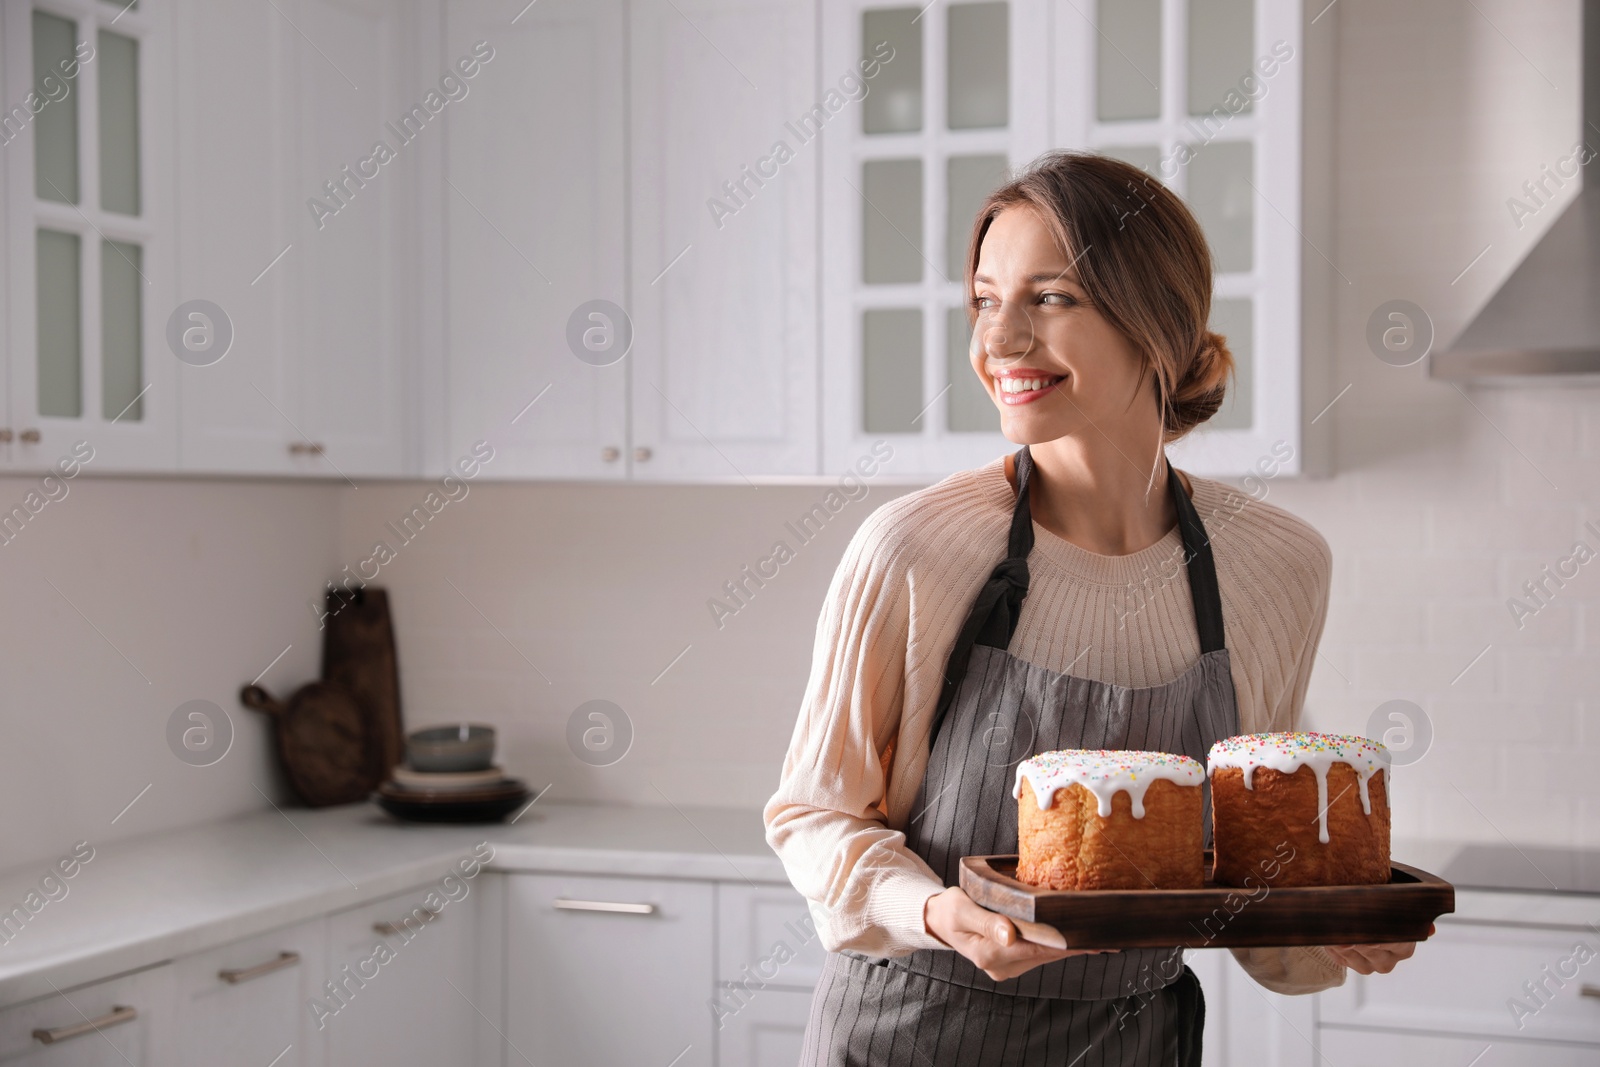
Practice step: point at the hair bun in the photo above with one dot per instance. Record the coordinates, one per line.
(1198, 394)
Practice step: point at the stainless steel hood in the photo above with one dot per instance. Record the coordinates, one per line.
(1544, 322)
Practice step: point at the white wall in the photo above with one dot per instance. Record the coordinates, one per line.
(123, 600)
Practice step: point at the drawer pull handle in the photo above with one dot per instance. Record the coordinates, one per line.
(115, 1017)
(616, 907)
(30, 437)
(416, 918)
(236, 975)
(1587, 990)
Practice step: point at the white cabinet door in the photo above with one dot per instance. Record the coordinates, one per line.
(124, 1022)
(89, 244)
(767, 1031)
(1246, 1023)
(765, 936)
(359, 117)
(400, 989)
(604, 971)
(247, 1002)
(533, 203)
(724, 238)
(235, 179)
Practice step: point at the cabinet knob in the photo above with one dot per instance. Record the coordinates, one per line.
(306, 448)
(30, 437)
(611, 453)
(1587, 990)
(6, 435)
(641, 454)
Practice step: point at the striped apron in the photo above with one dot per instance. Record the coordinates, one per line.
(934, 1008)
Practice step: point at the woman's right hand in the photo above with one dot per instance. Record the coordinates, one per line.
(990, 940)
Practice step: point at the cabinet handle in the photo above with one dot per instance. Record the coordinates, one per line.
(244, 974)
(610, 453)
(6, 435)
(390, 929)
(30, 437)
(642, 453)
(616, 907)
(1587, 990)
(306, 448)
(115, 1017)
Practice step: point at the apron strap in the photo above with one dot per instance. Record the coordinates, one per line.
(992, 619)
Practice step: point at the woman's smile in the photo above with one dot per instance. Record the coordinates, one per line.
(1022, 385)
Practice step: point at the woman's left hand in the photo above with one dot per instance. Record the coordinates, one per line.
(1374, 959)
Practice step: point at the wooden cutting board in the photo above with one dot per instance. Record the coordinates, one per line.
(358, 654)
(1217, 916)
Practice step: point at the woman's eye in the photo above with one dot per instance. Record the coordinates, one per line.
(981, 302)
(1059, 299)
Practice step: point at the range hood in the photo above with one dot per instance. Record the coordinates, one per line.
(1543, 324)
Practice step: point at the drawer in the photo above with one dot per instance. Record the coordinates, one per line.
(1371, 1048)
(247, 1002)
(131, 1016)
(1468, 979)
(765, 937)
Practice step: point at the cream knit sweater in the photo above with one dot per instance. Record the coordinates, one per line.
(892, 613)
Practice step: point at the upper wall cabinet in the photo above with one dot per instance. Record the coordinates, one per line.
(531, 212)
(89, 242)
(958, 94)
(1205, 95)
(1210, 97)
(292, 337)
(726, 123)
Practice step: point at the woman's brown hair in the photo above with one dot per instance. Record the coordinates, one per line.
(1143, 260)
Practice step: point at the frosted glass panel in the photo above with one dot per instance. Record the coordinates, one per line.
(55, 127)
(1221, 43)
(1232, 319)
(1128, 59)
(968, 407)
(891, 370)
(1144, 156)
(60, 340)
(121, 321)
(894, 103)
(978, 88)
(119, 123)
(968, 180)
(891, 220)
(1223, 201)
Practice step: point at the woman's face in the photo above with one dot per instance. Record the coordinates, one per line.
(1050, 361)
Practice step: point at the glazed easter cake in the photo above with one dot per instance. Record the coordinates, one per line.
(1323, 796)
(1110, 819)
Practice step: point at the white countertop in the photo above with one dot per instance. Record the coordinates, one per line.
(149, 899)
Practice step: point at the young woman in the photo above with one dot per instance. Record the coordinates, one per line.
(1078, 594)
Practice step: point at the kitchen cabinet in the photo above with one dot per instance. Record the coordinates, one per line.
(300, 258)
(723, 222)
(122, 1022)
(532, 199)
(605, 970)
(407, 957)
(246, 1002)
(1179, 89)
(1377, 1048)
(89, 248)
(768, 1031)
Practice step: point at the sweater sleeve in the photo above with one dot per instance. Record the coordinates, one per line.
(827, 821)
(1307, 969)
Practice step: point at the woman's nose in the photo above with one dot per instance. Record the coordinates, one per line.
(1003, 335)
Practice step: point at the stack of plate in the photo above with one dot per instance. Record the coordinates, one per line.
(448, 777)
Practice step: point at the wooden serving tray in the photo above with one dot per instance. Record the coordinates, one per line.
(1217, 916)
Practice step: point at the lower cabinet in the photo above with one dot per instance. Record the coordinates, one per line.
(1375, 1048)
(401, 983)
(121, 1022)
(605, 971)
(247, 1002)
(766, 1030)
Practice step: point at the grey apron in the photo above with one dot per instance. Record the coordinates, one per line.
(935, 1008)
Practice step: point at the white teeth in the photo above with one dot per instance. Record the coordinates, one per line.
(1021, 385)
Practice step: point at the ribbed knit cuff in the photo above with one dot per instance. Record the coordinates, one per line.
(897, 902)
(1324, 959)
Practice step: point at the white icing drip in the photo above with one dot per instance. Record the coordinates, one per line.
(1104, 773)
(1286, 753)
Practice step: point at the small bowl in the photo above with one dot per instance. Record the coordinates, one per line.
(465, 747)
